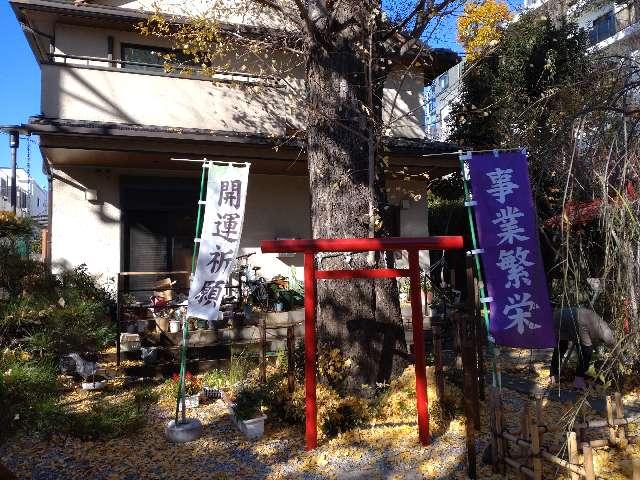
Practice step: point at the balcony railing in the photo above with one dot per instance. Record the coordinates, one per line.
(158, 69)
(612, 22)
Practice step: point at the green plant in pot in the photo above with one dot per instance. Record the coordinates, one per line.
(192, 385)
(248, 403)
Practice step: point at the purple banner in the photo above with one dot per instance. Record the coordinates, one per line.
(519, 309)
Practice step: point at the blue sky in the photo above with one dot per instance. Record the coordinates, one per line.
(20, 83)
(19, 89)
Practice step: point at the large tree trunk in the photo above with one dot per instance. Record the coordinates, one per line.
(362, 317)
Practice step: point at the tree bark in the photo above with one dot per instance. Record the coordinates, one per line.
(361, 317)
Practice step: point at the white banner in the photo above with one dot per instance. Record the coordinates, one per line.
(220, 238)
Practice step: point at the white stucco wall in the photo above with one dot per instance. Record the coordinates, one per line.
(89, 232)
(83, 231)
(107, 96)
(82, 89)
(278, 206)
(404, 104)
(414, 215)
(244, 12)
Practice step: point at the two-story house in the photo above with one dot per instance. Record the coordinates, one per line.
(113, 120)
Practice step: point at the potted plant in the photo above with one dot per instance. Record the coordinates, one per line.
(192, 389)
(201, 324)
(246, 411)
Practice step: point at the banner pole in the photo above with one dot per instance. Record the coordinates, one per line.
(492, 350)
(199, 217)
(185, 322)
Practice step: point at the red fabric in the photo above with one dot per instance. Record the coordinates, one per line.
(582, 213)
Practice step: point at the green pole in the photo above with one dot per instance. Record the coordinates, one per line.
(185, 323)
(497, 380)
(199, 218)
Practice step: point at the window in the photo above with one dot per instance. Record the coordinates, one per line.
(603, 27)
(4, 188)
(432, 104)
(158, 221)
(150, 56)
(443, 81)
(23, 200)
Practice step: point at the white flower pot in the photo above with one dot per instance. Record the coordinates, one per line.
(254, 428)
(183, 432)
(174, 326)
(191, 401)
(99, 385)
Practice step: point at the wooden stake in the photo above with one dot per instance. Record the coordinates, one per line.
(499, 428)
(480, 340)
(539, 410)
(636, 468)
(613, 439)
(469, 404)
(525, 421)
(493, 393)
(587, 453)
(291, 378)
(263, 349)
(437, 354)
(622, 429)
(535, 451)
(572, 448)
(470, 358)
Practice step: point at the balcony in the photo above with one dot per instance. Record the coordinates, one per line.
(93, 89)
(105, 90)
(614, 25)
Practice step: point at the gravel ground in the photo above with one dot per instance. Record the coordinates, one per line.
(375, 451)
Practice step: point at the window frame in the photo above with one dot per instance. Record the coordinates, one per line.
(608, 20)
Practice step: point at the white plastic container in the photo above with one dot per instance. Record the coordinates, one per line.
(191, 401)
(254, 428)
(174, 326)
(98, 385)
(183, 432)
(129, 342)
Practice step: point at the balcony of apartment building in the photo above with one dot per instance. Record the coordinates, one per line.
(617, 23)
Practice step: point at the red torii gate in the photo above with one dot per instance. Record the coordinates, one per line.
(310, 248)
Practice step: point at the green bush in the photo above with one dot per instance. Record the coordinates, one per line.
(28, 389)
(54, 315)
(249, 401)
(104, 420)
(239, 367)
(144, 398)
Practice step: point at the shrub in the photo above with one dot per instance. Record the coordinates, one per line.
(104, 420)
(399, 401)
(144, 398)
(333, 365)
(28, 389)
(56, 315)
(171, 388)
(249, 401)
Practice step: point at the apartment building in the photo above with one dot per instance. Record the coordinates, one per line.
(31, 198)
(612, 27)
